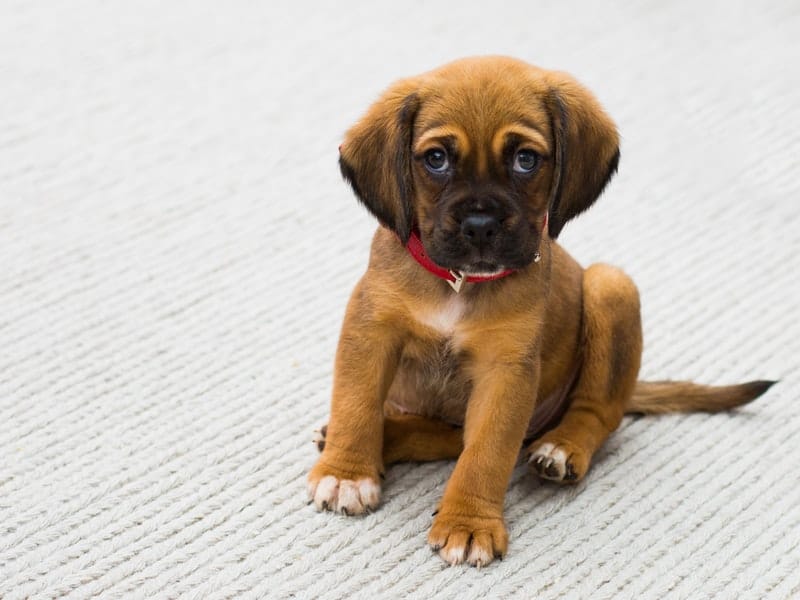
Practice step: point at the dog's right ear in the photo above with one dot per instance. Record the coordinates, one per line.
(375, 158)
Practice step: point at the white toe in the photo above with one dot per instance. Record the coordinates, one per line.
(326, 493)
(454, 555)
(543, 450)
(478, 556)
(349, 501)
(370, 493)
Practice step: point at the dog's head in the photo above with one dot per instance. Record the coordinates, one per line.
(475, 154)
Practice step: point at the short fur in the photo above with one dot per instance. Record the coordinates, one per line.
(423, 373)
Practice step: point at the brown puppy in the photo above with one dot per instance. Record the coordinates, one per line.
(472, 170)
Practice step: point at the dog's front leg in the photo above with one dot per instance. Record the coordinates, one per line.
(469, 524)
(346, 478)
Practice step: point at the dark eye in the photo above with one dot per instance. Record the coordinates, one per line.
(436, 161)
(525, 161)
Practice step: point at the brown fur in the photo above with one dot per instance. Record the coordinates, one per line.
(416, 362)
(661, 397)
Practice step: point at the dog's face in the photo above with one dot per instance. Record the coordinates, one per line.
(480, 171)
(475, 154)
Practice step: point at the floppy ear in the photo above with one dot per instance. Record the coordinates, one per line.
(375, 158)
(586, 150)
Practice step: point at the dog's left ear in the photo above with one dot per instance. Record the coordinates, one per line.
(586, 150)
(375, 158)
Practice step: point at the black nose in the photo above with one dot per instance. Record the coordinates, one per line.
(480, 229)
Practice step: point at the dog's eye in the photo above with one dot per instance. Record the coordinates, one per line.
(436, 161)
(525, 161)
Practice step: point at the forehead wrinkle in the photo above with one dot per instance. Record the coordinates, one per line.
(444, 132)
(481, 161)
(531, 136)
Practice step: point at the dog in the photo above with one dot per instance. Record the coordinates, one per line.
(473, 332)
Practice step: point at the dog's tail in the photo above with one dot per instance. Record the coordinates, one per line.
(660, 397)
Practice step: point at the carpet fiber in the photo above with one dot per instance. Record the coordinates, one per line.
(177, 249)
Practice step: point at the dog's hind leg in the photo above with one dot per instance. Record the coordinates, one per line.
(411, 438)
(612, 349)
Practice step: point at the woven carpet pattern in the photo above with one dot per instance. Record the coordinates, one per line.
(177, 248)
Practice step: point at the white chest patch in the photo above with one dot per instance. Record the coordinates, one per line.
(445, 317)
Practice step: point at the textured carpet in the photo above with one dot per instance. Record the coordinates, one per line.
(177, 248)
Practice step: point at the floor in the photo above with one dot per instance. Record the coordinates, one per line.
(177, 249)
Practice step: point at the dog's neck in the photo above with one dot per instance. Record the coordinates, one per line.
(456, 279)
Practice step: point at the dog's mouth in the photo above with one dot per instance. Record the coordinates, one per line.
(482, 268)
(506, 250)
(468, 263)
(474, 262)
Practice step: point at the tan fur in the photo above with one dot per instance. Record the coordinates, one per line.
(422, 374)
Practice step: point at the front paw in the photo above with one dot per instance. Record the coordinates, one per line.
(346, 493)
(461, 538)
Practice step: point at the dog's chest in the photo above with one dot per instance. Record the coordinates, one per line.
(443, 318)
(430, 380)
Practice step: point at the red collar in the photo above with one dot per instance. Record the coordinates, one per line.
(454, 278)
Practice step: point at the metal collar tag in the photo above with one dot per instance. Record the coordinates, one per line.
(459, 280)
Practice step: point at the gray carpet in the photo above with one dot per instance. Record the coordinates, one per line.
(177, 249)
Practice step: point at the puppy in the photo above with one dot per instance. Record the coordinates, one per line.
(473, 330)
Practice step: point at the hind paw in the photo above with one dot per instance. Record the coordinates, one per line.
(562, 462)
